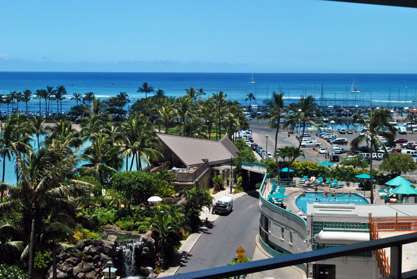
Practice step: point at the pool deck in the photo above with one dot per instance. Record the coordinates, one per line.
(298, 188)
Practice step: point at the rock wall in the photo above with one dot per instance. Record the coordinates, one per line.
(86, 260)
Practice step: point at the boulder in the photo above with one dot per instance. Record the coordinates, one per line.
(83, 267)
(72, 261)
(92, 275)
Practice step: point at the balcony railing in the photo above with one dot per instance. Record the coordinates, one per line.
(190, 175)
(394, 243)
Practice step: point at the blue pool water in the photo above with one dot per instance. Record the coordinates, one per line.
(319, 197)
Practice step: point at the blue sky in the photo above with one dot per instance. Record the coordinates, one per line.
(206, 36)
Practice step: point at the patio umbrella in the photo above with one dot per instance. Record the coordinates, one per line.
(397, 181)
(327, 164)
(154, 199)
(286, 169)
(363, 176)
(405, 190)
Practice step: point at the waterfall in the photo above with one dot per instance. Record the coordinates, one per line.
(131, 250)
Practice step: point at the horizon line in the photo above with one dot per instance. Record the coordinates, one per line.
(203, 72)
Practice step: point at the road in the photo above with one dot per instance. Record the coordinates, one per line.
(217, 247)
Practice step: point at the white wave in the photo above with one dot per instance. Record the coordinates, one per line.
(392, 101)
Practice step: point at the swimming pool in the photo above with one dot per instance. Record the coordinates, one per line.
(319, 197)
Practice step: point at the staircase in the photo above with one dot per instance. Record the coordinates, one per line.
(381, 256)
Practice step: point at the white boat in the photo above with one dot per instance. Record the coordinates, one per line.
(253, 81)
(354, 89)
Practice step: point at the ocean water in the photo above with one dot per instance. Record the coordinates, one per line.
(329, 89)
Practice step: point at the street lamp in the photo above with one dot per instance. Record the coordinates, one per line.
(266, 145)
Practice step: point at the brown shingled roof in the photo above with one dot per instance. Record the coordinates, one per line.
(192, 151)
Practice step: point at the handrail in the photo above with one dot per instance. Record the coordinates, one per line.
(278, 209)
(395, 243)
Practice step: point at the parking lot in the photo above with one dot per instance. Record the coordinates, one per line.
(264, 136)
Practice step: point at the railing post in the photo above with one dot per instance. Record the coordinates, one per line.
(395, 262)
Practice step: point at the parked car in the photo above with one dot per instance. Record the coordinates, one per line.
(401, 141)
(310, 143)
(337, 149)
(253, 146)
(223, 205)
(342, 131)
(339, 141)
(402, 130)
(349, 132)
(322, 150)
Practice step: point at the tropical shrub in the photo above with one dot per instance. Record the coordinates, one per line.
(245, 153)
(341, 172)
(82, 233)
(137, 187)
(397, 163)
(12, 272)
(43, 260)
(217, 182)
(166, 226)
(196, 198)
(239, 184)
(102, 215)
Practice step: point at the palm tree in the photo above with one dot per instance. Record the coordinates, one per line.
(184, 111)
(276, 106)
(250, 97)
(167, 112)
(60, 93)
(40, 94)
(219, 100)
(89, 97)
(302, 113)
(145, 89)
(27, 94)
(50, 94)
(289, 153)
(159, 94)
(64, 135)
(139, 140)
(36, 126)
(77, 97)
(209, 118)
(8, 100)
(43, 194)
(13, 133)
(103, 158)
(167, 222)
(377, 126)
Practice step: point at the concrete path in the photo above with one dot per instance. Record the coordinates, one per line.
(217, 246)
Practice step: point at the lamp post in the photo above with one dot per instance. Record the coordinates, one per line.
(231, 174)
(266, 145)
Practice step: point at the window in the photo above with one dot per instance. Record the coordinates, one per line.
(282, 233)
(290, 237)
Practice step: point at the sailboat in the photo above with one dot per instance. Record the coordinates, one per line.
(354, 89)
(253, 81)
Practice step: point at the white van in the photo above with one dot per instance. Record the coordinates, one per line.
(402, 130)
(223, 205)
(410, 152)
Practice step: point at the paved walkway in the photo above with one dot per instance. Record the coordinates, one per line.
(188, 244)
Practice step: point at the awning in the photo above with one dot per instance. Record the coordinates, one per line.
(405, 190)
(363, 176)
(289, 170)
(336, 237)
(397, 181)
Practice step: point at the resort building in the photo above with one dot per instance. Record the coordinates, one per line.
(195, 161)
(285, 229)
